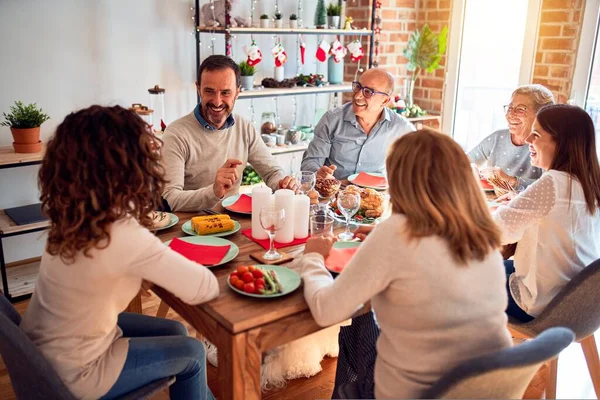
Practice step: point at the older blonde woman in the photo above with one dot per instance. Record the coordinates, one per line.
(432, 271)
(505, 151)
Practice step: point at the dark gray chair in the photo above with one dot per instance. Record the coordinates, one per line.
(504, 374)
(31, 375)
(577, 307)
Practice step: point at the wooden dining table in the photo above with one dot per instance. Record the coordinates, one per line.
(242, 327)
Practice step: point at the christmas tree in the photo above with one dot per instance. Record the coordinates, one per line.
(320, 14)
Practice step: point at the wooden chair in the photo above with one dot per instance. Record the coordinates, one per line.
(32, 376)
(576, 307)
(504, 374)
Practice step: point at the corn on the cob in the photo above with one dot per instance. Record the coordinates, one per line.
(213, 226)
(208, 218)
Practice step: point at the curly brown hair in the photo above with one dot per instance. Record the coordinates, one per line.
(101, 165)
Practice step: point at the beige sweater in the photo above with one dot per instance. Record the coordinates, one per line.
(433, 313)
(72, 316)
(192, 156)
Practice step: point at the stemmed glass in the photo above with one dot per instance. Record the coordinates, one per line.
(272, 219)
(348, 203)
(306, 181)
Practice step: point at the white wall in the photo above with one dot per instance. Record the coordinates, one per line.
(69, 54)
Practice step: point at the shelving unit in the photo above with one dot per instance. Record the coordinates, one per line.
(285, 31)
(18, 279)
(298, 90)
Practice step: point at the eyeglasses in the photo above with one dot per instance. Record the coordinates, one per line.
(517, 110)
(367, 92)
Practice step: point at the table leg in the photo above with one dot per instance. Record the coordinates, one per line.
(239, 366)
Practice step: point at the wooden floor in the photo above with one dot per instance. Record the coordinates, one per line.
(318, 387)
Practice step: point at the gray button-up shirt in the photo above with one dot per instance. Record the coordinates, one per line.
(339, 140)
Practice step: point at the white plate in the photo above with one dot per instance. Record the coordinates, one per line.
(342, 219)
(174, 220)
(187, 228)
(213, 241)
(228, 202)
(352, 177)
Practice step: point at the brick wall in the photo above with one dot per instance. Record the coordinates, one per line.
(558, 39)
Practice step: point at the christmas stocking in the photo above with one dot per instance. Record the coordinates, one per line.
(279, 54)
(323, 50)
(337, 51)
(302, 50)
(254, 54)
(356, 51)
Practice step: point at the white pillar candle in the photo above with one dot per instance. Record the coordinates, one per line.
(284, 198)
(261, 197)
(301, 213)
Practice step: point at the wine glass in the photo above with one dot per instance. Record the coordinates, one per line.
(272, 219)
(306, 181)
(348, 203)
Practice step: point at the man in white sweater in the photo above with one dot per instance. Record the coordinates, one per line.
(205, 152)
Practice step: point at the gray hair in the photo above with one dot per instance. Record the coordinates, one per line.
(540, 95)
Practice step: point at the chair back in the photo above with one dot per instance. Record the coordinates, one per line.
(574, 307)
(31, 374)
(504, 374)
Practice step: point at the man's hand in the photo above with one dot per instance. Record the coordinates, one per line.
(326, 172)
(321, 245)
(288, 183)
(363, 231)
(226, 177)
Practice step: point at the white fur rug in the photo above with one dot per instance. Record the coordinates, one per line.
(299, 359)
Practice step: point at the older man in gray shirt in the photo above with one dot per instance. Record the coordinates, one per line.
(355, 137)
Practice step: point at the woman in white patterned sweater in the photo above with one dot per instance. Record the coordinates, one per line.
(555, 220)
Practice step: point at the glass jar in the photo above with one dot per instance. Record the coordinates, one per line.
(267, 123)
(157, 103)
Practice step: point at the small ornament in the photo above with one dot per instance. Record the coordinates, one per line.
(279, 54)
(338, 51)
(348, 23)
(254, 54)
(356, 50)
(322, 51)
(302, 50)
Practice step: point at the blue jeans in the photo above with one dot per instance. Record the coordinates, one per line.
(160, 348)
(513, 308)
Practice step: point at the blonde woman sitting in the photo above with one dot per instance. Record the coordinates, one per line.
(432, 271)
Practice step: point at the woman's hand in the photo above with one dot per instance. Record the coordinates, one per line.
(506, 198)
(321, 245)
(363, 231)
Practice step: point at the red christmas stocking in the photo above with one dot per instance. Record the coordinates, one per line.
(279, 54)
(254, 54)
(322, 51)
(302, 51)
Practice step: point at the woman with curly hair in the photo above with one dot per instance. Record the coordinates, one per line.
(99, 180)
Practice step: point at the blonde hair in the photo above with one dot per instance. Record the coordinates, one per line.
(432, 184)
(540, 95)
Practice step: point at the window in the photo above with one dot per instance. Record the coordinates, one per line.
(488, 59)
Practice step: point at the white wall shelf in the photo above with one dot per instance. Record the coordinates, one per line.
(285, 31)
(297, 90)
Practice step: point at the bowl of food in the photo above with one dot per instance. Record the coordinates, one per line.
(327, 187)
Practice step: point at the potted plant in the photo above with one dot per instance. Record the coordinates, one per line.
(264, 21)
(247, 74)
(293, 21)
(424, 52)
(320, 15)
(333, 16)
(24, 122)
(278, 20)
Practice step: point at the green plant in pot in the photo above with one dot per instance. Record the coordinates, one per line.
(24, 122)
(278, 20)
(247, 72)
(293, 21)
(333, 16)
(264, 21)
(424, 52)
